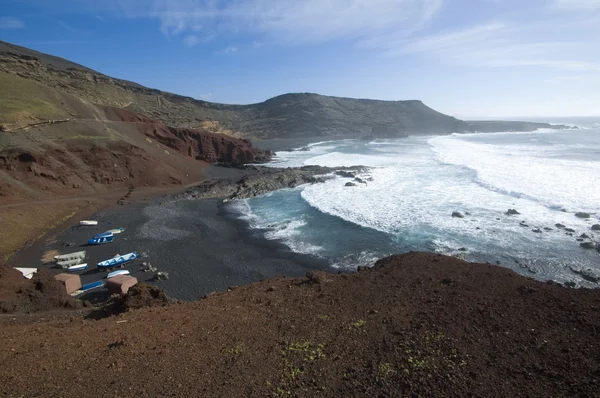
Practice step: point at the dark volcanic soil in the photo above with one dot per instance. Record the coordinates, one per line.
(415, 325)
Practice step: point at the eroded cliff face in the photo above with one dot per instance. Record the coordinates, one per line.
(195, 143)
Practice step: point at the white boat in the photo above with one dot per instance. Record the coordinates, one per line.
(27, 272)
(88, 222)
(118, 261)
(68, 263)
(78, 267)
(116, 273)
(71, 256)
(115, 231)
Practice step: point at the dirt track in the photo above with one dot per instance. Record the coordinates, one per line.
(416, 325)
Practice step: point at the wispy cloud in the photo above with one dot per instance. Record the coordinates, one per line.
(11, 23)
(584, 5)
(229, 50)
(307, 21)
(194, 40)
(556, 42)
(66, 26)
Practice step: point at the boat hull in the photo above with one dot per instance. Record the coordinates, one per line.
(92, 285)
(78, 267)
(88, 222)
(115, 231)
(70, 256)
(101, 240)
(118, 261)
(117, 273)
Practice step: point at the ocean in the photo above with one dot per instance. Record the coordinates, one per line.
(414, 184)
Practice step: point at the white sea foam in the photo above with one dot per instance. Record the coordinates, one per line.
(418, 182)
(524, 171)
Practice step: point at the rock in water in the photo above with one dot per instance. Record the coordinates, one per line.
(596, 227)
(588, 245)
(582, 214)
(350, 184)
(537, 231)
(457, 214)
(512, 212)
(571, 230)
(559, 225)
(346, 174)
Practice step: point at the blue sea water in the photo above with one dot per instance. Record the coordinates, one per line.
(414, 184)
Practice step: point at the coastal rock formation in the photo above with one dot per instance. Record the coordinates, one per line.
(255, 180)
(582, 214)
(588, 245)
(512, 212)
(457, 214)
(596, 227)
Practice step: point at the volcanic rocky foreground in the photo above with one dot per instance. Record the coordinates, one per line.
(414, 325)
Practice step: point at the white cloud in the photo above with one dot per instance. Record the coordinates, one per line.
(229, 50)
(283, 20)
(11, 23)
(557, 43)
(191, 40)
(584, 5)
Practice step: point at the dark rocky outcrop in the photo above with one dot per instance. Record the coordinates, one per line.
(350, 184)
(512, 212)
(41, 293)
(582, 214)
(457, 214)
(559, 225)
(256, 180)
(588, 245)
(596, 227)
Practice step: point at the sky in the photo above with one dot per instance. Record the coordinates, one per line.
(466, 58)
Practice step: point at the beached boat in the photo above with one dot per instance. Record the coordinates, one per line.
(68, 263)
(116, 273)
(92, 285)
(70, 256)
(101, 239)
(88, 222)
(115, 231)
(27, 272)
(78, 267)
(118, 261)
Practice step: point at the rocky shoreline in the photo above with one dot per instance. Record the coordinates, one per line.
(256, 180)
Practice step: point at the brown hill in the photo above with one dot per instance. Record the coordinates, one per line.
(415, 325)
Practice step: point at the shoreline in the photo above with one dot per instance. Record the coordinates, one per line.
(202, 245)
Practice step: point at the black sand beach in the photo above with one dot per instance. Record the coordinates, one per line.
(200, 246)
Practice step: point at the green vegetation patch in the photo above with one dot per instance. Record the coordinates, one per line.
(23, 100)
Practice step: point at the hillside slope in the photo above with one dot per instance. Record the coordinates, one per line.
(285, 116)
(415, 325)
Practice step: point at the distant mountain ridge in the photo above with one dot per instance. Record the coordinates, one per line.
(285, 116)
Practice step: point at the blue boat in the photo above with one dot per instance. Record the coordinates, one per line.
(101, 239)
(92, 285)
(118, 260)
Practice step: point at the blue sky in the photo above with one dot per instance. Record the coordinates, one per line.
(467, 58)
